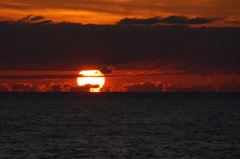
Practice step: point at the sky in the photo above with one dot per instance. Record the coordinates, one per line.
(159, 46)
(111, 11)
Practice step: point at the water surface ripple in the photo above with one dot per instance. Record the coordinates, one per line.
(120, 125)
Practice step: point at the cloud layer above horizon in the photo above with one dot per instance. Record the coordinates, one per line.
(34, 43)
(147, 86)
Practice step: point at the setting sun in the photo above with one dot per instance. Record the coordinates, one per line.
(91, 77)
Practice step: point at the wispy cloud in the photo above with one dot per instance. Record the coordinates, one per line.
(176, 20)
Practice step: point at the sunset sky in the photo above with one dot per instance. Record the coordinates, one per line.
(161, 45)
(111, 11)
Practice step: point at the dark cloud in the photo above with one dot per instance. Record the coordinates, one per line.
(59, 87)
(56, 88)
(186, 20)
(21, 87)
(36, 18)
(38, 88)
(69, 76)
(230, 86)
(150, 86)
(31, 18)
(69, 46)
(233, 22)
(147, 86)
(53, 87)
(107, 69)
(167, 20)
(197, 88)
(85, 88)
(4, 87)
(25, 87)
(133, 21)
(28, 17)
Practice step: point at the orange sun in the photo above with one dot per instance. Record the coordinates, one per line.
(91, 77)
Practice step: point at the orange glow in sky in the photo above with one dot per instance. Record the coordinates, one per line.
(111, 11)
(92, 77)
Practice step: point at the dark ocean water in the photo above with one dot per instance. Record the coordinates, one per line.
(120, 125)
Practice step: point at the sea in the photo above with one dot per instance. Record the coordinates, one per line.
(119, 125)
